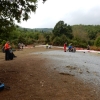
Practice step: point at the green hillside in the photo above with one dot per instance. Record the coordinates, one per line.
(37, 29)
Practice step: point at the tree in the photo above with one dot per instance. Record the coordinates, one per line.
(57, 41)
(17, 9)
(92, 35)
(47, 37)
(6, 27)
(11, 10)
(62, 28)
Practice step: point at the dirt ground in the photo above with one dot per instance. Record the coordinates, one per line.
(29, 78)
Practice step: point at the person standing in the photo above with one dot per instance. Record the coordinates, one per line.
(65, 44)
(7, 47)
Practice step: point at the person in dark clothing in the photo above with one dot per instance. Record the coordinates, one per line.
(9, 55)
(88, 47)
(14, 55)
(7, 47)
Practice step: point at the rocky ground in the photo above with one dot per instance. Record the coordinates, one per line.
(31, 78)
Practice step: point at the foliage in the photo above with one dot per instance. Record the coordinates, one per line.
(97, 41)
(47, 37)
(61, 33)
(62, 28)
(42, 39)
(3, 42)
(11, 10)
(17, 9)
(86, 32)
(64, 39)
(79, 32)
(6, 27)
(95, 48)
(43, 30)
(29, 36)
(57, 41)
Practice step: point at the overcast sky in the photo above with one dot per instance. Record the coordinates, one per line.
(72, 12)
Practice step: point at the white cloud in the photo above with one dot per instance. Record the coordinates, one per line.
(70, 11)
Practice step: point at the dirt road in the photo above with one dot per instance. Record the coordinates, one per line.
(31, 77)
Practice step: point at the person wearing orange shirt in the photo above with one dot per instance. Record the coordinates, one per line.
(7, 47)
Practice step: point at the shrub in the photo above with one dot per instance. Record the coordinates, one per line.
(97, 42)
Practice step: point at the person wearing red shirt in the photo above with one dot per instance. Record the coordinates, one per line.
(7, 47)
(65, 47)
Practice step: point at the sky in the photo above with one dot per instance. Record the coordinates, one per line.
(72, 12)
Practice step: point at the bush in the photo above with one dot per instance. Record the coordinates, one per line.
(3, 43)
(57, 41)
(97, 42)
(95, 48)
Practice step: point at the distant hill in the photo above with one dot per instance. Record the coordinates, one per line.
(37, 29)
(44, 29)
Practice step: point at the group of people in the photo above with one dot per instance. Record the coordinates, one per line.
(9, 55)
(48, 46)
(20, 46)
(70, 48)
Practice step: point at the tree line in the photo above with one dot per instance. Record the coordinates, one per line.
(78, 35)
